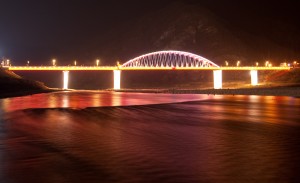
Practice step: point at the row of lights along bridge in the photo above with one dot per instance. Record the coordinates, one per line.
(54, 63)
(7, 62)
(268, 64)
(97, 63)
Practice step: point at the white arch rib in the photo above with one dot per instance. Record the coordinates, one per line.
(169, 58)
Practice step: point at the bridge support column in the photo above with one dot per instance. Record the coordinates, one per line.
(117, 79)
(254, 78)
(217, 79)
(66, 80)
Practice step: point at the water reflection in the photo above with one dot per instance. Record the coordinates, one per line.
(211, 139)
(83, 99)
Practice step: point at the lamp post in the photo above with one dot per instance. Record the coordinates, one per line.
(53, 62)
(267, 63)
(97, 62)
(226, 63)
(238, 63)
(75, 63)
(28, 62)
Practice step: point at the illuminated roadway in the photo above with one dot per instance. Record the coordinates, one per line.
(111, 68)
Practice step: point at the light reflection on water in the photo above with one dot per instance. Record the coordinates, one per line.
(83, 99)
(212, 139)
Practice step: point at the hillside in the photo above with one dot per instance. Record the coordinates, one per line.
(182, 26)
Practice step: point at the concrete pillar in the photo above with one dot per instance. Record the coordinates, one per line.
(117, 79)
(66, 80)
(217, 79)
(254, 78)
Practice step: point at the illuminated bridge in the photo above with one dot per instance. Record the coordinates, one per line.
(161, 60)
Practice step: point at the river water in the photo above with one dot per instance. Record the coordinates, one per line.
(93, 136)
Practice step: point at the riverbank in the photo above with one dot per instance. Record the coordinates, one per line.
(13, 85)
(24, 93)
(290, 90)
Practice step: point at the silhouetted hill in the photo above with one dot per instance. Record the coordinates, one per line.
(182, 26)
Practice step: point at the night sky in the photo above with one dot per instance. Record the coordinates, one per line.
(41, 30)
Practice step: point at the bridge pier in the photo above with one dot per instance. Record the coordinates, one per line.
(65, 80)
(217, 79)
(117, 79)
(254, 77)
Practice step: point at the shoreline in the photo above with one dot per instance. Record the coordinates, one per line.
(292, 91)
(26, 93)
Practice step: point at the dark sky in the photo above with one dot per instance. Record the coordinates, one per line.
(41, 30)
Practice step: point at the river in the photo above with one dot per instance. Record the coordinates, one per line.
(95, 136)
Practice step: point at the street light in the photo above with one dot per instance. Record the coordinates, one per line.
(295, 63)
(267, 63)
(256, 64)
(97, 62)
(238, 63)
(28, 62)
(75, 63)
(53, 62)
(226, 63)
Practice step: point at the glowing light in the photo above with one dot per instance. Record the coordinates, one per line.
(97, 62)
(66, 80)
(267, 63)
(238, 63)
(171, 58)
(254, 78)
(217, 79)
(53, 62)
(117, 79)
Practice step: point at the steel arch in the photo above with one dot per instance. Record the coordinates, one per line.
(171, 58)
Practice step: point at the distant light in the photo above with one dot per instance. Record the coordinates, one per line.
(53, 62)
(267, 63)
(226, 63)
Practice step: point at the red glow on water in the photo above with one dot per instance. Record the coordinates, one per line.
(83, 99)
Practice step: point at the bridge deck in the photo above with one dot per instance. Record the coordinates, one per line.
(111, 68)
